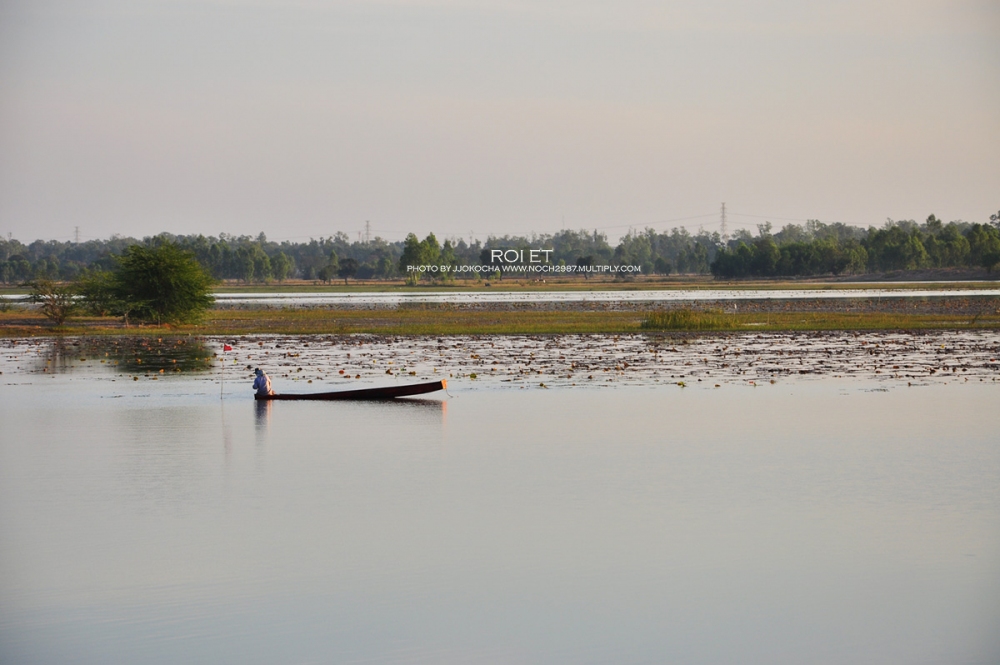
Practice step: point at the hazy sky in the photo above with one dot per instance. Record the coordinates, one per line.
(302, 118)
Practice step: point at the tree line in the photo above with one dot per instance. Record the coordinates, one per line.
(814, 248)
(834, 249)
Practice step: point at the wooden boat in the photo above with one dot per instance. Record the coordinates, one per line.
(390, 392)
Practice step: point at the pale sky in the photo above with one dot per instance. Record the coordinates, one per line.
(303, 118)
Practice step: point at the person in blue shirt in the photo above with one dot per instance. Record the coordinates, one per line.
(262, 384)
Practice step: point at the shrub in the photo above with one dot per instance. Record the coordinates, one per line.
(58, 303)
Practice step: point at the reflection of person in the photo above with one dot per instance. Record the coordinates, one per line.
(262, 384)
(263, 408)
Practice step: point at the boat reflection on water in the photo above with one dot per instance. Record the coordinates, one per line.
(426, 411)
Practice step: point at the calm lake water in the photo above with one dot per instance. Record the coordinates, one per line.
(820, 519)
(645, 295)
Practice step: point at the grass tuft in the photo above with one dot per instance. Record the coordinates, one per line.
(686, 319)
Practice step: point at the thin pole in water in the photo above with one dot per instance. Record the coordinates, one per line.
(222, 381)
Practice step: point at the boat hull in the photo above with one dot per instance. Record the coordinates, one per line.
(390, 392)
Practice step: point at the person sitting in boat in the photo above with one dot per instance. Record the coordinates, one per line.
(262, 384)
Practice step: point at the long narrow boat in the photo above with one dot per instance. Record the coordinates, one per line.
(390, 392)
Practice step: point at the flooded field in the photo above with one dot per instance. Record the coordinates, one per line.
(521, 361)
(571, 503)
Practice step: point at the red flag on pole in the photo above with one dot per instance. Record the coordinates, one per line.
(226, 347)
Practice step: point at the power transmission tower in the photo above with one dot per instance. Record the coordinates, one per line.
(723, 230)
(76, 234)
(368, 232)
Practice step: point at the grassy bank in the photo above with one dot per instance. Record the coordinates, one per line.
(445, 321)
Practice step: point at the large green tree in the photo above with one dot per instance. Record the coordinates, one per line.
(162, 283)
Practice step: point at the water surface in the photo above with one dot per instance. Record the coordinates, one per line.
(294, 299)
(849, 519)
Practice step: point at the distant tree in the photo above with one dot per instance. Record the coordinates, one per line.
(635, 249)
(991, 259)
(16, 269)
(896, 246)
(411, 254)
(995, 219)
(162, 284)
(281, 266)
(58, 303)
(662, 266)
(945, 244)
(328, 271)
(385, 267)
(736, 262)
(857, 258)
(430, 250)
(348, 268)
(933, 225)
(246, 266)
(262, 264)
(418, 253)
(984, 245)
(765, 255)
(448, 257)
(252, 263)
(585, 262)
